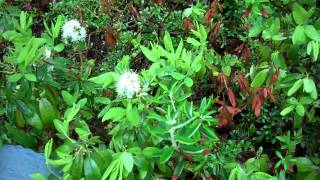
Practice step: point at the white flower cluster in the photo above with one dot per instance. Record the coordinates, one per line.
(73, 30)
(47, 53)
(128, 84)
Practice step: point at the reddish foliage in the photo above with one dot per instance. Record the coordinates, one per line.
(213, 4)
(247, 55)
(174, 177)
(226, 113)
(215, 31)
(223, 119)
(265, 92)
(134, 10)
(210, 14)
(248, 26)
(247, 11)
(206, 152)
(259, 96)
(274, 78)
(239, 48)
(243, 84)
(188, 24)
(232, 98)
(160, 2)
(220, 7)
(210, 178)
(223, 82)
(264, 12)
(111, 38)
(233, 110)
(106, 6)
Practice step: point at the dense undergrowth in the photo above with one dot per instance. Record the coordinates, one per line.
(163, 89)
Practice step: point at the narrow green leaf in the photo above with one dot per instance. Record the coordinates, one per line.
(31, 77)
(185, 140)
(168, 42)
(259, 78)
(296, 86)
(209, 132)
(287, 110)
(149, 54)
(15, 77)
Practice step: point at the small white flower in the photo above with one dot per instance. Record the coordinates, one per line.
(128, 84)
(47, 53)
(73, 30)
(50, 68)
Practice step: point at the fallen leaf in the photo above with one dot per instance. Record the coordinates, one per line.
(111, 38)
(247, 55)
(232, 98)
(247, 11)
(188, 24)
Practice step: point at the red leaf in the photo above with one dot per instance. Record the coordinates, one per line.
(233, 110)
(274, 78)
(273, 99)
(223, 120)
(174, 177)
(210, 14)
(239, 48)
(264, 12)
(215, 31)
(220, 7)
(254, 101)
(257, 108)
(111, 38)
(206, 152)
(243, 84)
(248, 26)
(232, 98)
(247, 12)
(247, 55)
(160, 2)
(213, 4)
(187, 24)
(275, 75)
(265, 92)
(134, 10)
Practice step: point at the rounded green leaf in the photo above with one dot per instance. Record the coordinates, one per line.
(308, 85)
(47, 112)
(299, 36)
(166, 154)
